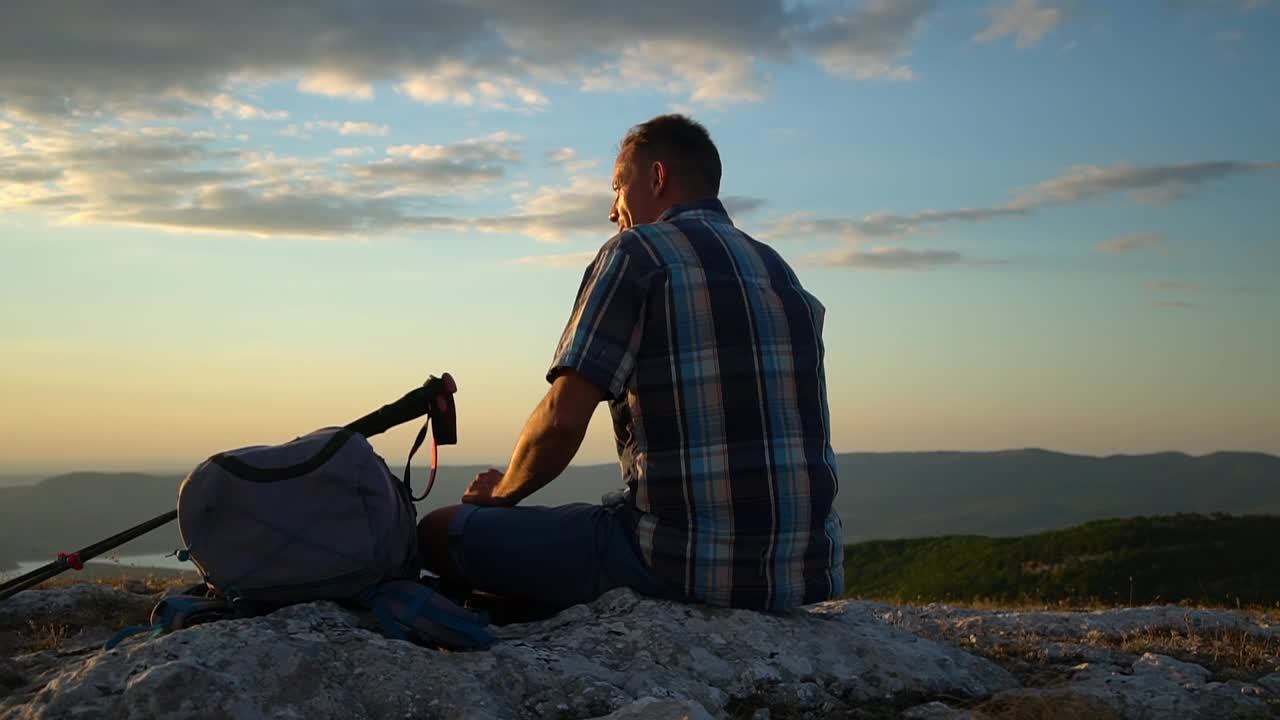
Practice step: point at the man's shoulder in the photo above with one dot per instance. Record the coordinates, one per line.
(634, 242)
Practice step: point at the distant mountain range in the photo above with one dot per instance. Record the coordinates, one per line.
(882, 495)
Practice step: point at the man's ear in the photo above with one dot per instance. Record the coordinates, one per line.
(658, 178)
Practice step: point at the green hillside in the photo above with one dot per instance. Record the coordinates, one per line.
(1207, 559)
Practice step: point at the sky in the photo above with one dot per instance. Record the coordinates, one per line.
(1033, 223)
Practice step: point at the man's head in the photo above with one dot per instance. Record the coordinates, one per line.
(665, 161)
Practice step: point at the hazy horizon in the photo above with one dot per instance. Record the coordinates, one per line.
(1033, 223)
(20, 476)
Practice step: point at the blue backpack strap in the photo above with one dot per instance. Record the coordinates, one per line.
(176, 612)
(409, 610)
(126, 633)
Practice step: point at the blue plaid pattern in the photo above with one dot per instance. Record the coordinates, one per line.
(711, 354)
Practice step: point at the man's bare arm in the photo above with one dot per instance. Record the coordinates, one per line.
(550, 439)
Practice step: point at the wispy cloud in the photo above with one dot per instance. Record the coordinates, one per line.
(350, 128)
(336, 83)
(181, 181)
(1149, 184)
(1130, 243)
(224, 104)
(1174, 286)
(1027, 21)
(436, 167)
(886, 259)
(1152, 184)
(1235, 5)
(1082, 183)
(882, 225)
(566, 260)
(555, 213)
(456, 83)
(568, 159)
(1164, 289)
(303, 131)
(871, 42)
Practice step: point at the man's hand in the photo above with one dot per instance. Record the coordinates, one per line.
(480, 491)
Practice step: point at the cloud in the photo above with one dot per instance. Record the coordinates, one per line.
(1152, 184)
(1160, 183)
(563, 156)
(704, 74)
(434, 167)
(180, 181)
(83, 59)
(737, 205)
(1173, 286)
(1082, 183)
(882, 225)
(1236, 5)
(1174, 304)
(177, 180)
(1025, 20)
(224, 104)
(332, 83)
(1133, 242)
(456, 83)
(888, 259)
(871, 42)
(556, 213)
(350, 128)
(568, 159)
(566, 260)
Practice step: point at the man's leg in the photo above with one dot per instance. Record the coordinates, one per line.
(552, 556)
(433, 545)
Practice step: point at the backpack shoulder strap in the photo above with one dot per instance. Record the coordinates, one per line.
(409, 610)
(179, 611)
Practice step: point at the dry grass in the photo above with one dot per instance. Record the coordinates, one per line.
(1022, 705)
(1263, 612)
(42, 636)
(148, 584)
(145, 580)
(1229, 654)
(49, 632)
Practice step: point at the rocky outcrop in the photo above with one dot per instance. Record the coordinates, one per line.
(621, 657)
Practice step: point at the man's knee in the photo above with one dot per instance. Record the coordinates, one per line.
(433, 542)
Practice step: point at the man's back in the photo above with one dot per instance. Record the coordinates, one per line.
(714, 359)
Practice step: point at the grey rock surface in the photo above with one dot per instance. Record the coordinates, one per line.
(621, 657)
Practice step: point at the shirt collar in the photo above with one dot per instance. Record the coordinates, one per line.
(703, 207)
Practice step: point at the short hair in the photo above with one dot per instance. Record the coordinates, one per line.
(684, 144)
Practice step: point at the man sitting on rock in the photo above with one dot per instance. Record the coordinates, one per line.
(709, 352)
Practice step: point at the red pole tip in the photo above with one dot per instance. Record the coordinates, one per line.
(72, 560)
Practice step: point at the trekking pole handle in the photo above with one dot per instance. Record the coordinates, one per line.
(435, 398)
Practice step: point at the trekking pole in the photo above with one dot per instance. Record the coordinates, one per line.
(76, 560)
(434, 399)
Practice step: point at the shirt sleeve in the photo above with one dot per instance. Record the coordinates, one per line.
(602, 337)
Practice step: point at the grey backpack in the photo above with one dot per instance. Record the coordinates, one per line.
(317, 518)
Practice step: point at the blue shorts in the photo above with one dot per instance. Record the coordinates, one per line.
(558, 556)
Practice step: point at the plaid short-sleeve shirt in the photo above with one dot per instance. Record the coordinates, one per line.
(711, 354)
